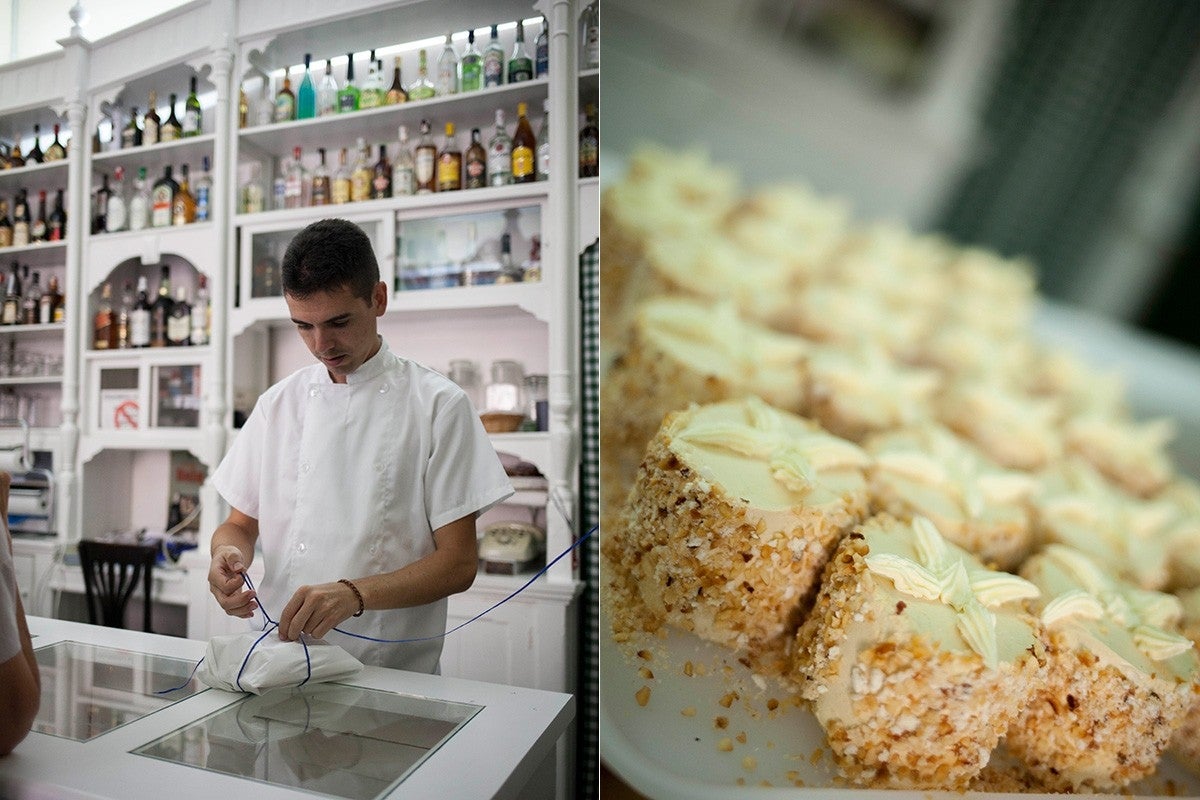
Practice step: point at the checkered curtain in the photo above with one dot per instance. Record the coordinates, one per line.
(589, 649)
(1079, 85)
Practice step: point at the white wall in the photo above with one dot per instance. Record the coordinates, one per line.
(39, 24)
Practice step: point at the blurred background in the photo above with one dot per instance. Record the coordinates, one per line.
(1063, 131)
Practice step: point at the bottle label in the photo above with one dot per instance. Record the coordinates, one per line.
(103, 325)
(522, 162)
(9, 315)
(160, 214)
(138, 213)
(285, 108)
(347, 101)
(471, 72)
(45, 310)
(39, 230)
(191, 122)
(139, 328)
(381, 187)
(200, 323)
(520, 69)
(170, 133)
(6, 236)
(449, 175)
(499, 164)
(425, 166)
(493, 70)
(128, 137)
(20, 234)
(202, 204)
(341, 191)
(370, 98)
(402, 181)
(476, 174)
(56, 231)
(178, 329)
(360, 185)
(589, 152)
(149, 132)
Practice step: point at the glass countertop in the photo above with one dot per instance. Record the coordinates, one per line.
(329, 738)
(88, 690)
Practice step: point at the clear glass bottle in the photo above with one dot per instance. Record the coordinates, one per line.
(499, 164)
(505, 392)
(200, 312)
(327, 93)
(402, 166)
(465, 373)
(294, 181)
(341, 180)
(541, 52)
(253, 196)
(543, 143)
(447, 70)
(123, 313)
(139, 203)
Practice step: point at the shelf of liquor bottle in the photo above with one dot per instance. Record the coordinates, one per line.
(418, 202)
(189, 149)
(40, 327)
(34, 248)
(187, 354)
(33, 173)
(379, 125)
(32, 380)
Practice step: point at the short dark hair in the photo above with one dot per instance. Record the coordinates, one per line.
(328, 255)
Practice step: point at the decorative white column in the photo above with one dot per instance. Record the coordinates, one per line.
(76, 55)
(560, 255)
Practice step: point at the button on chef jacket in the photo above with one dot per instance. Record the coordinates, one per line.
(348, 480)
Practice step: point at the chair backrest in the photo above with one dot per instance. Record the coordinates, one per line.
(111, 571)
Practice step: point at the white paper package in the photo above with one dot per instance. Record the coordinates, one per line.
(274, 663)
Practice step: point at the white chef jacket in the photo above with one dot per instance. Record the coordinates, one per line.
(352, 479)
(10, 636)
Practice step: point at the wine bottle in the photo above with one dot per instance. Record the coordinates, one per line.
(56, 152)
(102, 199)
(139, 317)
(131, 134)
(58, 219)
(160, 311)
(524, 149)
(150, 122)
(34, 156)
(49, 301)
(22, 221)
(171, 129)
(179, 323)
(381, 183)
(193, 117)
(39, 230)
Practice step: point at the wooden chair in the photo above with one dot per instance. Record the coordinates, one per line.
(111, 571)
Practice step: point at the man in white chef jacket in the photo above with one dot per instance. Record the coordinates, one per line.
(360, 476)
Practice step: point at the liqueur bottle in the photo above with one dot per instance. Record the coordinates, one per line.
(425, 161)
(103, 330)
(449, 165)
(139, 317)
(57, 224)
(321, 187)
(381, 183)
(171, 129)
(285, 101)
(471, 66)
(349, 95)
(56, 152)
(162, 199)
(541, 52)
(327, 94)
(520, 65)
(475, 163)
(421, 88)
(589, 145)
(396, 93)
(183, 206)
(116, 218)
(524, 149)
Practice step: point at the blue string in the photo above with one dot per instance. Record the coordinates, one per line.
(308, 660)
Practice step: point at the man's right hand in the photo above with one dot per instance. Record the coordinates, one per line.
(226, 582)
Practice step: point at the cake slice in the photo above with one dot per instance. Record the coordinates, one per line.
(735, 511)
(1120, 680)
(915, 658)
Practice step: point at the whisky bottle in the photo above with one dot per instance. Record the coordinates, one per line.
(499, 166)
(421, 88)
(447, 71)
(524, 149)
(493, 61)
(39, 229)
(471, 65)
(131, 135)
(22, 221)
(320, 182)
(327, 94)
(123, 313)
(171, 129)
(116, 218)
(179, 323)
(34, 156)
(396, 93)
(192, 115)
(361, 175)
(341, 181)
(285, 101)
(589, 144)
(56, 152)
(183, 206)
(162, 199)
(541, 51)
(204, 193)
(306, 95)
(139, 203)
(200, 313)
(348, 96)
(381, 183)
(402, 166)
(520, 65)
(139, 317)
(449, 164)
(543, 143)
(475, 163)
(425, 162)
(6, 228)
(160, 310)
(57, 223)
(294, 180)
(103, 331)
(150, 122)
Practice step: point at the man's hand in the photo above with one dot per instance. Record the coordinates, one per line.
(226, 582)
(316, 610)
